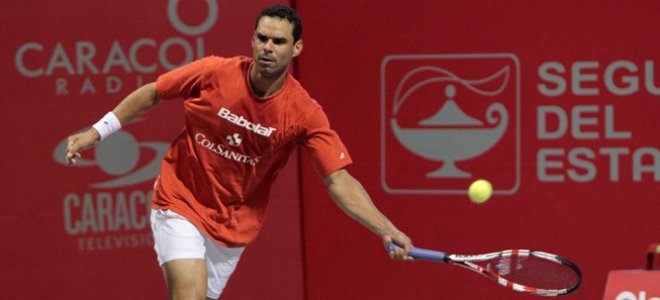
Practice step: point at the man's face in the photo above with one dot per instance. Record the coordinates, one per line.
(273, 47)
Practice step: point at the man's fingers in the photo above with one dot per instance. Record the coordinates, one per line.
(73, 149)
(398, 253)
(72, 140)
(402, 249)
(71, 156)
(69, 147)
(70, 159)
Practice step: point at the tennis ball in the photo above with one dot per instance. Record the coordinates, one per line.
(480, 191)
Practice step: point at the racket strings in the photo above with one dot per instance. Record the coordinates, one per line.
(533, 271)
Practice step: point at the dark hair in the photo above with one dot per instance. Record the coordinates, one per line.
(284, 12)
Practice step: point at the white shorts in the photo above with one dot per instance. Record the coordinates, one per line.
(177, 238)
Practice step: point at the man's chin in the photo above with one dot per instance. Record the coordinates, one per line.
(268, 72)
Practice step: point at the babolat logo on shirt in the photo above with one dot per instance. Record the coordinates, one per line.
(242, 122)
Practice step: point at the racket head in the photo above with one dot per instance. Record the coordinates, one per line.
(533, 272)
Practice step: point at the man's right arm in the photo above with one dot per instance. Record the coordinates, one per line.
(133, 106)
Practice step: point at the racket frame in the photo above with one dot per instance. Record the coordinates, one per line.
(469, 262)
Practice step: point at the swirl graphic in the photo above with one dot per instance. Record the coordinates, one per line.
(473, 85)
(118, 155)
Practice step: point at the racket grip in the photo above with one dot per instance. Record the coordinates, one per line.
(426, 254)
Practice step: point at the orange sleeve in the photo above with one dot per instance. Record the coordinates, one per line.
(183, 82)
(325, 148)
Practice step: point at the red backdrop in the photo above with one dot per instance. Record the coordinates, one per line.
(583, 187)
(82, 232)
(559, 104)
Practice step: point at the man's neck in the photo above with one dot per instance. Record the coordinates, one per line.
(265, 87)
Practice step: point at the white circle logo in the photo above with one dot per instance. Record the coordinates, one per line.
(173, 14)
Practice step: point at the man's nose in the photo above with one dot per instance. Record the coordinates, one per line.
(268, 45)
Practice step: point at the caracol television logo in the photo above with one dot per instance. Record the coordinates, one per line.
(112, 212)
(447, 120)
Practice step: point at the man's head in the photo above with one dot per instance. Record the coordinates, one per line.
(276, 40)
(285, 13)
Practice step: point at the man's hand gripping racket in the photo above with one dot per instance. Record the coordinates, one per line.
(533, 272)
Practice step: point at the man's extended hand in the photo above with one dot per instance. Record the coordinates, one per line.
(79, 142)
(404, 243)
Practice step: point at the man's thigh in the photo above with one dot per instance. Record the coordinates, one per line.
(189, 258)
(185, 278)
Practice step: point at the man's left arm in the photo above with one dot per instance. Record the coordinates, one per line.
(352, 198)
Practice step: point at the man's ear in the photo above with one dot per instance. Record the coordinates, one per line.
(297, 48)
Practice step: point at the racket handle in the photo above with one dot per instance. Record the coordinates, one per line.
(426, 254)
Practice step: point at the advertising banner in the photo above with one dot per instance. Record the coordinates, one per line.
(554, 102)
(633, 285)
(82, 231)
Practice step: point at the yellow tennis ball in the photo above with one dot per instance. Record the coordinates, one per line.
(480, 191)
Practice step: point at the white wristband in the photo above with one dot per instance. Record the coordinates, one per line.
(107, 125)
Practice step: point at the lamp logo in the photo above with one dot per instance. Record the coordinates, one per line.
(449, 119)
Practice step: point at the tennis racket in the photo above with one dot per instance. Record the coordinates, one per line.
(532, 272)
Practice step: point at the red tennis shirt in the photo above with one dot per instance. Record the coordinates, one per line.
(219, 170)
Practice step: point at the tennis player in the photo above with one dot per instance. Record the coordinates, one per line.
(244, 117)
